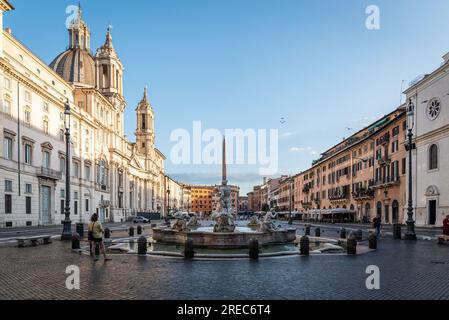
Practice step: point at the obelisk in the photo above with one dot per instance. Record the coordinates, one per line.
(224, 180)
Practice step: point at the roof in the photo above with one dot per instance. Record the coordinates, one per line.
(75, 66)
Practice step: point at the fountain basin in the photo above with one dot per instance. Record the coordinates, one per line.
(238, 239)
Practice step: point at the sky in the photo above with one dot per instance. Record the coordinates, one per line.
(310, 69)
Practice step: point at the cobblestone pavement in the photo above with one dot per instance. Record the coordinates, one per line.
(408, 270)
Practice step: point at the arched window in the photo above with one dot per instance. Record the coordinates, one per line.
(433, 157)
(379, 209)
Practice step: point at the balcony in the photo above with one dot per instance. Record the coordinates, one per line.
(317, 201)
(49, 174)
(384, 139)
(306, 189)
(386, 182)
(338, 197)
(384, 160)
(306, 204)
(363, 194)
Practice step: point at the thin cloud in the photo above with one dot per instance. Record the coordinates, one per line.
(308, 150)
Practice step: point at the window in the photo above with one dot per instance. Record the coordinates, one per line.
(7, 107)
(45, 106)
(28, 188)
(433, 157)
(7, 148)
(46, 159)
(27, 96)
(76, 169)
(433, 109)
(8, 185)
(45, 125)
(28, 154)
(7, 83)
(27, 115)
(75, 207)
(62, 165)
(87, 205)
(395, 131)
(395, 146)
(62, 204)
(28, 205)
(61, 134)
(87, 172)
(8, 204)
(403, 166)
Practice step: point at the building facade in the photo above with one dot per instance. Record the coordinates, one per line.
(365, 174)
(430, 125)
(109, 174)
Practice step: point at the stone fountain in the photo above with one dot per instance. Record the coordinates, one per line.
(225, 233)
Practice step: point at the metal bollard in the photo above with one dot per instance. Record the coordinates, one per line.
(189, 253)
(139, 229)
(342, 233)
(76, 241)
(107, 233)
(351, 244)
(397, 231)
(142, 246)
(131, 231)
(304, 246)
(318, 232)
(372, 241)
(307, 230)
(359, 235)
(254, 249)
(80, 229)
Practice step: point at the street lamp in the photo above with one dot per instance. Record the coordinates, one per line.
(410, 234)
(67, 229)
(290, 218)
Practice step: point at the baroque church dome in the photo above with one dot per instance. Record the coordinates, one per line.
(75, 65)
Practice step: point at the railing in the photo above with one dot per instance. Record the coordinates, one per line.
(363, 194)
(391, 180)
(334, 197)
(384, 159)
(49, 173)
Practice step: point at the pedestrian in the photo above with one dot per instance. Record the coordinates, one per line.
(95, 235)
(446, 226)
(377, 224)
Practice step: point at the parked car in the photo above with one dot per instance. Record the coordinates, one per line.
(140, 220)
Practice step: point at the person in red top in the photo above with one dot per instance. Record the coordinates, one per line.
(446, 226)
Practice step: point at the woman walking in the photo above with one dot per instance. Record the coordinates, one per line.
(96, 237)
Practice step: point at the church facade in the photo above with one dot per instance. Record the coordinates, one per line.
(109, 175)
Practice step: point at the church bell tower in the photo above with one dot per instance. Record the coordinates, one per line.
(145, 125)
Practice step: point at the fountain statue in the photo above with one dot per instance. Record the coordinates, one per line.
(253, 222)
(267, 224)
(193, 222)
(179, 225)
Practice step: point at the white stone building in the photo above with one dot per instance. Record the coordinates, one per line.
(110, 175)
(430, 96)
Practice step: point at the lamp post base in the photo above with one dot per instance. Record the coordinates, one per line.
(410, 236)
(67, 230)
